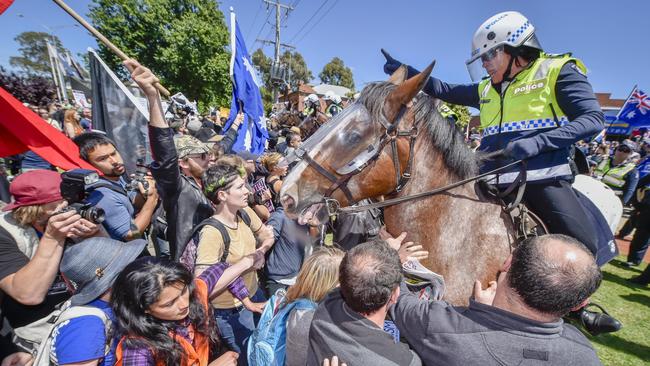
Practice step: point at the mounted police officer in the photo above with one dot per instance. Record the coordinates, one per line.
(619, 173)
(333, 102)
(312, 104)
(533, 106)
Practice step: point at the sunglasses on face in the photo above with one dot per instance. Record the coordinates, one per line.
(491, 54)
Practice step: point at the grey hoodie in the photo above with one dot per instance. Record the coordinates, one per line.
(337, 330)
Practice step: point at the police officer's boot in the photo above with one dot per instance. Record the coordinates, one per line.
(596, 322)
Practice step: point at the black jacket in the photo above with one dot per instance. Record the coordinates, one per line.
(184, 202)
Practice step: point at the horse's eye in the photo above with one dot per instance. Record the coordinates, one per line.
(353, 138)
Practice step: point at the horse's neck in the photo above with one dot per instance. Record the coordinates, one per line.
(432, 218)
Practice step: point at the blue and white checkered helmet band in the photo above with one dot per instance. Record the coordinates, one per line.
(514, 36)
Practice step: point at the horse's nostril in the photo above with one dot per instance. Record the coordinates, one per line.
(287, 202)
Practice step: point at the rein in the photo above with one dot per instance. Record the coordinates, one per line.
(334, 207)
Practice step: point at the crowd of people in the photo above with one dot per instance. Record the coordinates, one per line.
(196, 262)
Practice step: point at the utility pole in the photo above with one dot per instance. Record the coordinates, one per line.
(276, 58)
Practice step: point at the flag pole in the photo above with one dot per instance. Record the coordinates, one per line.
(621, 110)
(233, 50)
(54, 77)
(103, 39)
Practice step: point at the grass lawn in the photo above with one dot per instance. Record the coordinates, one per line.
(630, 304)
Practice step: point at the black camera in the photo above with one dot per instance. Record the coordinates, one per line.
(74, 186)
(141, 170)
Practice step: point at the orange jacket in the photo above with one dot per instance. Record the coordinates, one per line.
(197, 352)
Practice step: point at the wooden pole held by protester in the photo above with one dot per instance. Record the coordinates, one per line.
(103, 39)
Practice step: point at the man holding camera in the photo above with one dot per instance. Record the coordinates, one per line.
(33, 231)
(111, 194)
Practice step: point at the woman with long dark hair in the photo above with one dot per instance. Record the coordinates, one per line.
(163, 317)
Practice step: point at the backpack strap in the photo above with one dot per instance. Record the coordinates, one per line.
(211, 221)
(222, 230)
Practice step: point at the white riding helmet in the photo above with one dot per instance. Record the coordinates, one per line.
(508, 28)
(311, 98)
(336, 99)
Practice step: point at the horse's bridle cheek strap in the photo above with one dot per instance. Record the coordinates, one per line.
(338, 183)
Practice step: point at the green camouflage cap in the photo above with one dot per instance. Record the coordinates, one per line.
(188, 145)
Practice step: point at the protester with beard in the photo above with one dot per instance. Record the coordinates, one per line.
(110, 192)
(177, 166)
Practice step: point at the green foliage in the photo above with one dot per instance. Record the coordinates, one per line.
(628, 303)
(34, 59)
(32, 89)
(183, 42)
(336, 73)
(297, 69)
(462, 112)
(299, 73)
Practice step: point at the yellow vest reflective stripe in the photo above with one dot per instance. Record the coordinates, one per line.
(529, 102)
(614, 177)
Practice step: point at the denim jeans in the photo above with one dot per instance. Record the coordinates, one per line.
(236, 325)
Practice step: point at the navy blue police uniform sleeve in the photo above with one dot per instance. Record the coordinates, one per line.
(631, 182)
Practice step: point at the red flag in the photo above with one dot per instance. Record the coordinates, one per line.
(22, 130)
(4, 4)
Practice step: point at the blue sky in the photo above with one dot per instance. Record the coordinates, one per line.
(609, 36)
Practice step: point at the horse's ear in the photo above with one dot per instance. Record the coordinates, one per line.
(399, 75)
(405, 92)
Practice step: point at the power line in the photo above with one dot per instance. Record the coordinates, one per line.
(308, 20)
(250, 30)
(318, 21)
(266, 21)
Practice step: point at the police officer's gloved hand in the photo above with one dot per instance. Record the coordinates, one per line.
(391, 64)
(521, 149)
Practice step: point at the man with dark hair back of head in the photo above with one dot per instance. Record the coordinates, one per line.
(518, 318)
(349, 323)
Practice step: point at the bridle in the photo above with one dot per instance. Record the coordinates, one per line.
(392, 133)
(390, 137)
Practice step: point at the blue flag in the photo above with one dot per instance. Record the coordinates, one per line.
(634, 114)
(246, 95)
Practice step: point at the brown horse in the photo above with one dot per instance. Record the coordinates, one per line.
(310, 124)
(351, 158)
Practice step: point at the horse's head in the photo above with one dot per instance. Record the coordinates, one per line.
(361, 152)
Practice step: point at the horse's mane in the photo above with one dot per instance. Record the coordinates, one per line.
(443, 135)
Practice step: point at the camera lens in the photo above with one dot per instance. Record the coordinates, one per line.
(93, 214)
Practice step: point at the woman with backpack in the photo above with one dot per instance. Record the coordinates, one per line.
(239, 233)
(284, 326)
(163, 315)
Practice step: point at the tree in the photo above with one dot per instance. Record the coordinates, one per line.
(35, 59)
(462, 113)
(32, 89)
(336, 73)
(297, 69)
(183, 42)
(299, 73)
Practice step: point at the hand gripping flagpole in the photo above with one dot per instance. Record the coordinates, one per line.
(103, 39)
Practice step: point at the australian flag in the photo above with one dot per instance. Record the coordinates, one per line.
(635, 113)
(245, 95)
